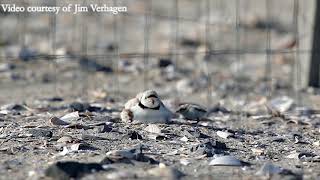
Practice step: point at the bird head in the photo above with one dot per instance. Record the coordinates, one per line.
(150, 99)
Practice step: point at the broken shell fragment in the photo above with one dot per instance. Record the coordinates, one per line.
(153, 128)
(58, 122)
(224, 134)
(225, 161)
(65, 139)
(71, 116)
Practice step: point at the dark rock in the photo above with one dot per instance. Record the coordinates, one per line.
(83, 147)
(54, 99)
(162, 63)
(92, 137)
(81, 107)
(195, 133)
(12, 164)
(47, 78)
(40, 133)
(71, 169)
(209, 148)
(93, 66)
(134, 135)
(128, 156)
(190, 42)
(27, 54)
(111, 47)
(103, 128)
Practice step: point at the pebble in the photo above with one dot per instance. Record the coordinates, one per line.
(71, 169)
(83, 147)
(65, 139)
(165, 172)
(103, 128)
(208, 148)
(93, 66)
(41, 133)
(27, 54)
(163, 63)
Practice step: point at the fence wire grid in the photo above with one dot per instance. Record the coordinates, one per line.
(215, 29)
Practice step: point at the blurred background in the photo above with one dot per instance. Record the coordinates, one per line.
(235, 52)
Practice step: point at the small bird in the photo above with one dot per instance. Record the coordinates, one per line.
(146, 107)
(191, 111)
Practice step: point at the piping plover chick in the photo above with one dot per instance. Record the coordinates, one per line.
(191, 111)
(146, 107)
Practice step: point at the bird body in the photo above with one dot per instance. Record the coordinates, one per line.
(147, 108)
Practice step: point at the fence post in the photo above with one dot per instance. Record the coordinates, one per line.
(314, 74)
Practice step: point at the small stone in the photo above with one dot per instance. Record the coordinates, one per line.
(257, 152)
(163, 63)
(65, 139)
(103, 128)
(126, 156)
(165, 172)
(27, 54)
(208, 148)
(184, 139)
(134, 135)
(71, 169)
(83, 147)
(14, 107)
(122, 175)
(58, 122)
(41, 133)
(81, 107)
(93, 66)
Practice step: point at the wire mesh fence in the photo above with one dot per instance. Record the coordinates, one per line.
(210, 39)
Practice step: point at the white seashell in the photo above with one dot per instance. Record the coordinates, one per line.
(153, 128)
(185, 162)
(71, 116)
(5, 112)
(225, 161)
(65, 139)
(184, 139)
(121, 153)
(293, 155)
(58, 122)
(224, 134)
